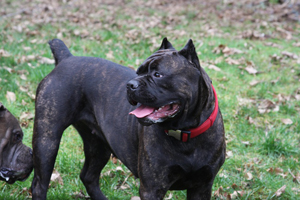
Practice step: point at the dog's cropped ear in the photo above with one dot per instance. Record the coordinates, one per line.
(166, 45)
(2, 108)
(190, 54)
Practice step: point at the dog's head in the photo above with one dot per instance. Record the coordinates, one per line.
(170, 88)
(15, 158)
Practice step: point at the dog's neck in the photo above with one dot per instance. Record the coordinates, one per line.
(208, 114)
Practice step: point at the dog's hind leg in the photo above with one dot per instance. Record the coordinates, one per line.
(48, 129)
(97, 155)
(53, 115)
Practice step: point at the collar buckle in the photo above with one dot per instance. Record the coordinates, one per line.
(185, 136)
(179, 134)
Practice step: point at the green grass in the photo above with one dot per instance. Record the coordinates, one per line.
(254, 146)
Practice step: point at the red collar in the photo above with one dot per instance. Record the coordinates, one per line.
(184, 136)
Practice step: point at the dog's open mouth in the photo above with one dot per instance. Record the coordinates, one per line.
(156, 114)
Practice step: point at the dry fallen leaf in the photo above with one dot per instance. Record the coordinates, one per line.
(10, 96)
(119, 168)
(23, 77)
(284, 33)
(276, 170)
(44, 60)
(135, 198)
(31, 95)
(296, 44)
(234, 195)
(246, 143)
(230, 51)
(114, 159)
(226, 50)
(214, 67)
(289, 54)
(229, 154)
(287, 121)
(27, 48)
(4, 53)
(218, 192)
(272, 44)
(250, 120)
(56, 178)
(231, 61)
(251, 70)
(10, 70)
(23, 89)
(241, 192)
(80, 195)
(26, 115)
(248, 176)
(254, 82)
(30, 57)
(245, 101)
(253, 35)
(296, 190)
(110, 55)
(169, 197)
(266, 106)
(280, 191)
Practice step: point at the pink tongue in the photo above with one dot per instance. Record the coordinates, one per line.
(142, 111)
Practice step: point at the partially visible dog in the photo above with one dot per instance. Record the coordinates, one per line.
(15, 158)
(179, 143)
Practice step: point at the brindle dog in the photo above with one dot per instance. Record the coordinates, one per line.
(174, 96)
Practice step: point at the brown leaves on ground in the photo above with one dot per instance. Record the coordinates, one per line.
(134, 18)
(221, 194)
(4, 53)
(80, 195)
(251, 171)
(22, 82)
(267, 106)
(264, 106)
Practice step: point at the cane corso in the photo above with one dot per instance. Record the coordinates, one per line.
(15, 158)
(162, 121)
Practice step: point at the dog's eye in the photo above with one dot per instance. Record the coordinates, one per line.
(157, 74)
(18, 136)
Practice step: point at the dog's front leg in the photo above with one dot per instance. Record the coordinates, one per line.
(199, 194)
(155, 179)
(152, 192)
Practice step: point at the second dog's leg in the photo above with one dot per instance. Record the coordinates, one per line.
(45, 146)
(96, 156)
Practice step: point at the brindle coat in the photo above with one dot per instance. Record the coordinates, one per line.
(90, 94)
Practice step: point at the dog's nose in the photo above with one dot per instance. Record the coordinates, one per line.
(132, 85)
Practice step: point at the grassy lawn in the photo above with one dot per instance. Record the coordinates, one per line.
(250, 50)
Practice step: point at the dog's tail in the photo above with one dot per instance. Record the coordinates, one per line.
(59, 50)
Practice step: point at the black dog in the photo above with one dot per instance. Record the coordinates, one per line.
(183, 148)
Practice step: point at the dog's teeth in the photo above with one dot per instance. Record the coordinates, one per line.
(160, 109)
